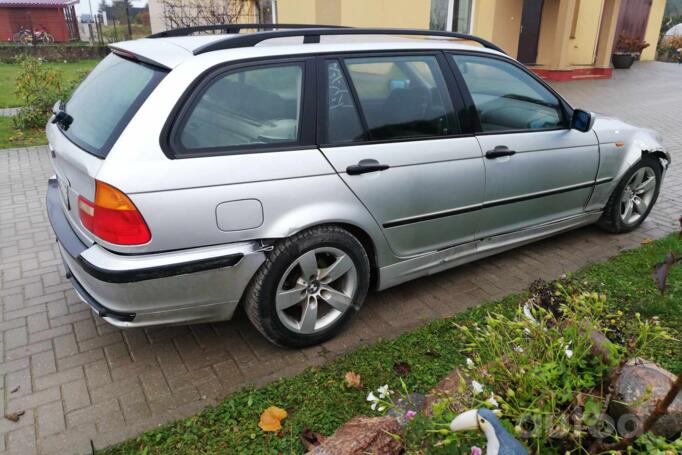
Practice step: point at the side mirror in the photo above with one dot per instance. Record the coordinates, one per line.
(582, 120)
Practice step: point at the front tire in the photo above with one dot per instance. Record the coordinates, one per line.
(633, 198)
(309, 287)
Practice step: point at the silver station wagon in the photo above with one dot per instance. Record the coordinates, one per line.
(290, 169)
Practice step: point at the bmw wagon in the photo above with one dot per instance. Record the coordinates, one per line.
(293, 169)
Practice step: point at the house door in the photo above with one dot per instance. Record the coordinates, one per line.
(633, 17)
(530, 31)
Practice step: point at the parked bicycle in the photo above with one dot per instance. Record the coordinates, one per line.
(26, 36)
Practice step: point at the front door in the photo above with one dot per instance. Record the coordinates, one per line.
(391, 132)
(530, 31)
(537, 169)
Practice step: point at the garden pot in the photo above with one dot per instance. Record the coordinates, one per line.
(622, 60)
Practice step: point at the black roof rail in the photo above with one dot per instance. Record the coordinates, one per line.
(312, 35)
(234, 28)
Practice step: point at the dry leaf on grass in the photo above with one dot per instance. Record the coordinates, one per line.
(401, 368)
(14, 417)
(646, 241)
(271, 419)
(353, 380)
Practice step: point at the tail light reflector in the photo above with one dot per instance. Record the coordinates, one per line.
(113, 217)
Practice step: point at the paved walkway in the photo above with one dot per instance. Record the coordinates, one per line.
(78, 378)
(9, 111)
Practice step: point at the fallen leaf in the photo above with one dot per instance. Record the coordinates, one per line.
(401, 368)
(353, 380)
(14, 417)
(646, 241)
(311, 439)
(661, 270)
(15, 390)
(271, 419)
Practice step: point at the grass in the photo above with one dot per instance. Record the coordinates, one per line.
(318, 398)
(11, 137)
(10, 71)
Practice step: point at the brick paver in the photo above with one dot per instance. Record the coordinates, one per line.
(79, 379)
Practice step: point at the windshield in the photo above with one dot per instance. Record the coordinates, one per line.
(106, 100)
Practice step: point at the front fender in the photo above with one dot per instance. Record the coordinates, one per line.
(621, 147)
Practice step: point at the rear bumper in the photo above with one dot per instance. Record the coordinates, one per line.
(195, 285)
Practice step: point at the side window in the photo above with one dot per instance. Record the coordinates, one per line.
(403, 96)
(506, 97)
(246, 107)
(343, 120)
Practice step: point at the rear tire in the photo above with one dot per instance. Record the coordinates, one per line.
(633, 198)
(309, 287)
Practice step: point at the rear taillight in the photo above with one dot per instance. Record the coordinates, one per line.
(113, 217)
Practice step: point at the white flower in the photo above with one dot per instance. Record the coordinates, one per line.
(518, 348)
(383, 391)
(528, 314)
(371, 397)
(477, 387)
(569, 353)
(470, 363)
(492, 401)
(374, 406)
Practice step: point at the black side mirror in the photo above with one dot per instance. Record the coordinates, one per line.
(582, 120)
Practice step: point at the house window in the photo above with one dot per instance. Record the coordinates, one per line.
(451, 15)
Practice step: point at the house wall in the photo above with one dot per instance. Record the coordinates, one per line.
(653, 29)
(51, 19)
(356, 13)
(507, 25)
(582, 48)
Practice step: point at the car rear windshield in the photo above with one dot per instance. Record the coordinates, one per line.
(106, 100)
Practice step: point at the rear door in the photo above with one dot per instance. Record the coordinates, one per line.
(538, 170)
(392, 127)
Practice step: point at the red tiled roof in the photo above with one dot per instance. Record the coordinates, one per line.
(36, 3)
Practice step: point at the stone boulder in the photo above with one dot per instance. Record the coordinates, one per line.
(363, 435)
(632, 396)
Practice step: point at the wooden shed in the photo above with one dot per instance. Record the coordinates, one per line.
(57, 17)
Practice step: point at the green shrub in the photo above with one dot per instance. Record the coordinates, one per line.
(38, 87)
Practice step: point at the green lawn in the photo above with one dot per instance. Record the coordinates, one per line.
(9, 72)
(9, 137)
(319, 400)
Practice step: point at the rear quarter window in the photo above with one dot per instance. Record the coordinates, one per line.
(106, 100)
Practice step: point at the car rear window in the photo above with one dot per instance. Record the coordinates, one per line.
(106, 100)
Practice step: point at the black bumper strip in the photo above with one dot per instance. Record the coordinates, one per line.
(102, 311)
(151, 273)
(74, 247)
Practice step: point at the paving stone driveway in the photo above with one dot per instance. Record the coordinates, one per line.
(78, 379)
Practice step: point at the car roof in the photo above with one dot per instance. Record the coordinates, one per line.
(173, 51)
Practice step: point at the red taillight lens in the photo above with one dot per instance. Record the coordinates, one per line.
(113, 217)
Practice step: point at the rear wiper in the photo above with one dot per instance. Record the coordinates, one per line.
(60, 116)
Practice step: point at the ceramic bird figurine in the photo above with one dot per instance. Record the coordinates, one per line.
(500, 442)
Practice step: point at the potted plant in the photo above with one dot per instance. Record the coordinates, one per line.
(628, 49)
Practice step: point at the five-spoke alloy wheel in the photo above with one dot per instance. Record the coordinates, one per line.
(309, 286)
(634, 197)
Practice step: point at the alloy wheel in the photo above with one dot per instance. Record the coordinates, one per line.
(316, 290)
(637, 195)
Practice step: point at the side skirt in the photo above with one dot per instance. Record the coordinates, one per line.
(437, 261)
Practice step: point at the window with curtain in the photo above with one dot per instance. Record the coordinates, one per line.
(451, 15)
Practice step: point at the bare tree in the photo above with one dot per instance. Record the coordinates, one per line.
(190, 13)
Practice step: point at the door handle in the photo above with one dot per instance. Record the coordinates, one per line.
(365, 166)
(497, 152)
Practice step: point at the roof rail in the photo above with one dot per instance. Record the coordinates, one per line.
(312, 35)
(234, 28)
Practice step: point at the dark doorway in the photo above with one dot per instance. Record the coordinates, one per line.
(530, 31)
(633, 17)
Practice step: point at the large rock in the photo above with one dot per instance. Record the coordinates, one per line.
(632, 396)
(363, 435)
